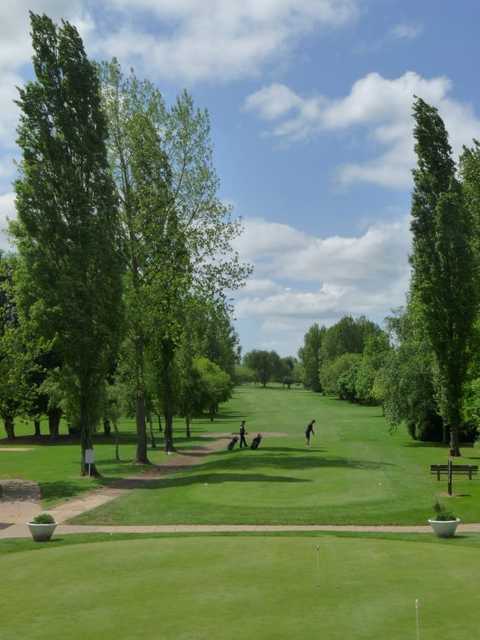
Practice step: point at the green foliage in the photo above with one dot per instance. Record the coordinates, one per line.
(348, 335)
(177, 242)
(368, 377)
(441, 513)
(309, 356)
(243, 374)
(44, 518)
(11, 349)
(338, 376)
(68, 282)
(444, 280)
(263, 363)
(407, 379)
(214, 386)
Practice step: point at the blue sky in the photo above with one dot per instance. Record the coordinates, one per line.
(310, 104)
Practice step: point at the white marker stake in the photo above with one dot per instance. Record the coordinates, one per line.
(417, 616)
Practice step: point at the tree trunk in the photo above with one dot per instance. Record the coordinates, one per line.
(106, 427)
(444, 432)
(117, 441)
(152, 436)
(169, 433)
(142, 455)
(454, 442)
(87, 399)
(36, 424)
(9, 427)
(187, 426)
(54, 416)
(168, 351)
(159, 418)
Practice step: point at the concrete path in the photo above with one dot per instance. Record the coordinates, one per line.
(21, 531)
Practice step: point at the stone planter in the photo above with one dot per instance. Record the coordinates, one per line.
(444, 528)
(41, 532)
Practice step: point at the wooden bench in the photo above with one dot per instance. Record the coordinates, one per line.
(457, 469)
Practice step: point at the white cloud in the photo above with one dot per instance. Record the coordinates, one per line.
(264, 286)
(7, 212)
(16, 51)
(216, 39)
(307, 278)
(381, 108)
(406, 31)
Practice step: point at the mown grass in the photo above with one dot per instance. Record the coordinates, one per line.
(356, 471)
(242, 587)
(56, 465)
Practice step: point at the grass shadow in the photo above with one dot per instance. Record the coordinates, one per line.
(63, 489)
(201, 480)
(283, 461)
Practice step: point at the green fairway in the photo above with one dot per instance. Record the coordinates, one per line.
(356, 471)
(262, 587)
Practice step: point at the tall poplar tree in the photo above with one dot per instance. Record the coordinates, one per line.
(70, 273)
(443, 261)
(197, 247)
(310, 357)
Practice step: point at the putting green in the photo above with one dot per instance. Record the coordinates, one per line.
(242, 587)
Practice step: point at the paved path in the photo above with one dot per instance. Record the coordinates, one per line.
(21, 531)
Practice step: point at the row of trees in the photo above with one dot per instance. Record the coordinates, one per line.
(123, 250)
(343, 360)
(425, 369)
(267, 366)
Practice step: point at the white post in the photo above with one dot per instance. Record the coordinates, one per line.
(417, 617)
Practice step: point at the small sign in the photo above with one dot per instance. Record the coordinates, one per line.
(89, 456)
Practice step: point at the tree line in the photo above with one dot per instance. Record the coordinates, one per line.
(115, 299)
(260, 366)
(424, 367)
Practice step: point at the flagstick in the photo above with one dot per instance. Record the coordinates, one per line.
(417, 616)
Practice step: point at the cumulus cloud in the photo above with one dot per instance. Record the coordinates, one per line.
(15, 52)
(377, 106)
(301, 278)
(218, 39)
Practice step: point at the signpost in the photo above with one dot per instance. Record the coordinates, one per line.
(89, 459)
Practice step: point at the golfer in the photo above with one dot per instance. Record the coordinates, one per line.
(309, 432)
(243, 433)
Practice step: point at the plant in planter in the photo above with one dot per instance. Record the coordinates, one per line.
(445, 523)
(42, 527)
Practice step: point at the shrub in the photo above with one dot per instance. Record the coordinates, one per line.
(44, 518)
(441, 514)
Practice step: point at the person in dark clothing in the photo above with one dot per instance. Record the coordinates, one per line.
(256, 441)
(309, 432)
(232, 443)
(243, 433)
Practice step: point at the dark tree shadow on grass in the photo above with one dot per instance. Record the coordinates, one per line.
(169, 482)
(62, 489)
(417, 444)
